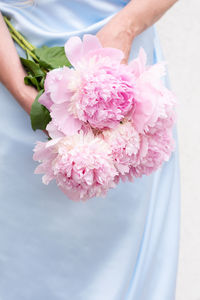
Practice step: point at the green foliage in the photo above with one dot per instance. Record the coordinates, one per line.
(30, 80)
(40, 116)
(51, 57)
(32, 67)
(47, 60)
(36, 75)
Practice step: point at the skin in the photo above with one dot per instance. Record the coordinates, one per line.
(129, 22)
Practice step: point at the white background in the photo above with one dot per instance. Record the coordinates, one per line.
(179, 31)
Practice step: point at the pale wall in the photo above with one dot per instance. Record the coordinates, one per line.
(179, 32)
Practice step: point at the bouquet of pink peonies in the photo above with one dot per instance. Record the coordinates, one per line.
(106, 120)
(110, 121)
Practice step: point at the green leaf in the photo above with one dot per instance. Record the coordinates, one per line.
(52, 57)
(40, 116)
(30, 80)
(32, 67)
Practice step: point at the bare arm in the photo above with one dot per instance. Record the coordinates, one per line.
(132, 20)
(11, 70)
(140, 14)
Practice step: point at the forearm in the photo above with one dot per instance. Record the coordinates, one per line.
(141, 14)
(138, 15)
(12, 72)
(129, 22)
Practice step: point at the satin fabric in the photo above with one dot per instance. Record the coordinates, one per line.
(122, 247)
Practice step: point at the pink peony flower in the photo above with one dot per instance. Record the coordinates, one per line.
(110, 121)
(81, 165)
(104, 97)
(54, 99)
(98, 90)
(124, 142)
(154, 103)
(105, 92)
(156, 149)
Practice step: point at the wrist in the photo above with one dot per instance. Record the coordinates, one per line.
(123, 27)
(133, 19)
(26, 97)
(129, 22)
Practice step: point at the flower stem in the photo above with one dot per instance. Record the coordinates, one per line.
(18, 35)
(23, 47)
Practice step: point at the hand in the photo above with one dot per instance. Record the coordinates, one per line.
(117, 34)
(129, 22)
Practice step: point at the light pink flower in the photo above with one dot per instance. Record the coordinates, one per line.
(80, 164)
(110, 121)
(105, 92)
(55, 100)
(98, 90)
(124, 142)
(104, 97)
(153, 101)
(156, 149)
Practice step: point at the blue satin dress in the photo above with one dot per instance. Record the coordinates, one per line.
(122, 247)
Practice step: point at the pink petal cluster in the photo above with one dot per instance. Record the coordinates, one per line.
(98, 89)
(154, 103)
(156, 149)
(124, 142)
(81, 165)
(110, 121)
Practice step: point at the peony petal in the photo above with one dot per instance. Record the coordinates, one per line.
(115, 54)
(61, 93)
(155, 72)
(45, 100)
(90, 43)
(52, 77)
(143, 112)
(138, 65)
(74, 49)
(66, 122)
(41, 152)
(52, 142)
(53, 131)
